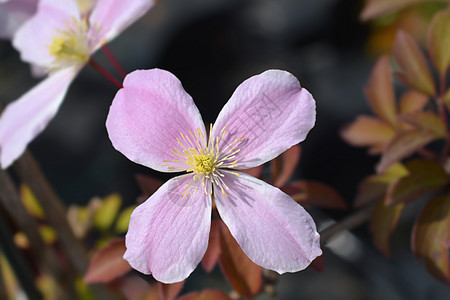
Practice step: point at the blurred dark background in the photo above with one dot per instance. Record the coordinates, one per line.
(212, 46)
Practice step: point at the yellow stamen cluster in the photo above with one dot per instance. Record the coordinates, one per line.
(70, 47)
(205, 161)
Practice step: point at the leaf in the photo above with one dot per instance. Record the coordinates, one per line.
(124, 219)
(414, 70)
(368, 131)
(402, 145)
(428, 121)
(107, 212)
(30, 202)
(439, 40)
(241, 272)
(107, 263)
(380, 92)
(81, 218)
(425, 176)
(412, 101)
(375, 186)
(206, 295)
(431, 237)
(169, 291)
(317, 194)
(212, 253)
(289, 161)
(377, 8)
(447, 99)
(48, 234)
(148, 186)
(255, 172)
(383, 222)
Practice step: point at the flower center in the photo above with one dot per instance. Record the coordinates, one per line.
(203, 163)
(70, 47)
(206, 162)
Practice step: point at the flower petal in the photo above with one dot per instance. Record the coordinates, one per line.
(113, 17)
(26, 117)
(271, 228)
(13, 14)
(168, 234)
(51, 16)
(271, 112)
(147, 116)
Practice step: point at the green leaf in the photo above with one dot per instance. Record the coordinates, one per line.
(431, 237)
(414, 71)
(439, 40)
(368, 131)
(243, 274)
(424, 177)
(383, 222)
(377, 8)
(402, 145)
(30, 202)
(426, 121)
(107, 212)
(124, 219)
(107, 263)
(317, 194)
(380, 92)
(375, 186)
(412, 101)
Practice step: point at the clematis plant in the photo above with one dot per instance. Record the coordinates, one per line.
(66, 39)
(13, 13)
(154, 122)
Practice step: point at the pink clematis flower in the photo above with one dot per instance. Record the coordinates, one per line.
(154, 122)
(13, 13)
(60, 39)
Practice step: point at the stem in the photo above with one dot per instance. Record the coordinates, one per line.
(15, 258)
(349, 222)
(443, 115)
(113, 60)
(43, 255)
(105, 74)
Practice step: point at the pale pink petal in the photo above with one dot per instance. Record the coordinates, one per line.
(168, 234)
(271, 112)
(14, 13)
(34, 38)
(272, 229)
(109, 18)
(25, 118)
(147, 116)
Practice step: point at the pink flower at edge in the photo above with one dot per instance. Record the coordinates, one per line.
(14, 13)
(154, 122)
(62, 46)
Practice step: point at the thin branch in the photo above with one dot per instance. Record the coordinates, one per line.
(43, 255)
(113, 60)
(350, 222)
(15, 258)
(105, 74)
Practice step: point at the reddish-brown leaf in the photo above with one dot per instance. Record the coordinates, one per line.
(368, 131)
(241, 272)
(318, 263)
(383, 222)
(289, 161)
(426, 121)
(206, 295)
(431, 237)
(377, 8)
(317, 194)
(255, 172)
(439, 40)
(412, 101)
(402, 145)
(212, 254)
(375, 186)
(424, 177)
(169, 291)
(414, 71)
(108, 263)
(380, 92)
(148, 186)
